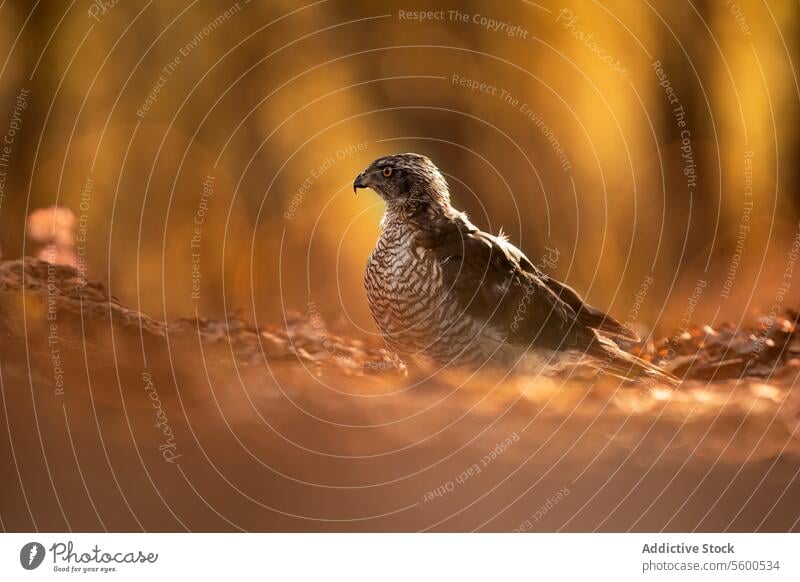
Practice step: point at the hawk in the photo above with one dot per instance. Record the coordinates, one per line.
(442, 290)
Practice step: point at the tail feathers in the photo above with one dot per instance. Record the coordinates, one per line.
(609, 358)
(605, 324)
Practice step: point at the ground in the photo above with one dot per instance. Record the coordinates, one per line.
(115, 421)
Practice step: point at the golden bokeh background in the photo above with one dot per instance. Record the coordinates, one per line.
(561, 133)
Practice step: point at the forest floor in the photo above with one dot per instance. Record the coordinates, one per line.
(114, 420)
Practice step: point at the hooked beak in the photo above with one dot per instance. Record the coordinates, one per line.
(360, 182)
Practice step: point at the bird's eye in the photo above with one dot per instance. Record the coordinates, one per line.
(387, 171)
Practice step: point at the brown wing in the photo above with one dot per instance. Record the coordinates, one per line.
(494, 282)
(588, 315)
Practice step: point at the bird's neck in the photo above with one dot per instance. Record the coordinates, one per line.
(402, 210)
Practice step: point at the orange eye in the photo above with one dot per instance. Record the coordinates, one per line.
(387, 172)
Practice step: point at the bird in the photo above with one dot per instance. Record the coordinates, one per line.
(443, 291)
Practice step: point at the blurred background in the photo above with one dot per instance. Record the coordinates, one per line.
(206, 149)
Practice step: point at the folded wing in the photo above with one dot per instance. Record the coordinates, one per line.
(494, 281)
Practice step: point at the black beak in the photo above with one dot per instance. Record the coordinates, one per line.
(359, 182)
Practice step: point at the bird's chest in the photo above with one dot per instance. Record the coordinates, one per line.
(403, 282)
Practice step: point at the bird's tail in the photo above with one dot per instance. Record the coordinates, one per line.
(611, 359)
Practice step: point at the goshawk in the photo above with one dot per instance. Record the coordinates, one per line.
(442, 290)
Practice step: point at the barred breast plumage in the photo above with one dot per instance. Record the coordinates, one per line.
(408, 299)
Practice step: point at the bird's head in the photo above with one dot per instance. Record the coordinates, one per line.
(405, 176)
